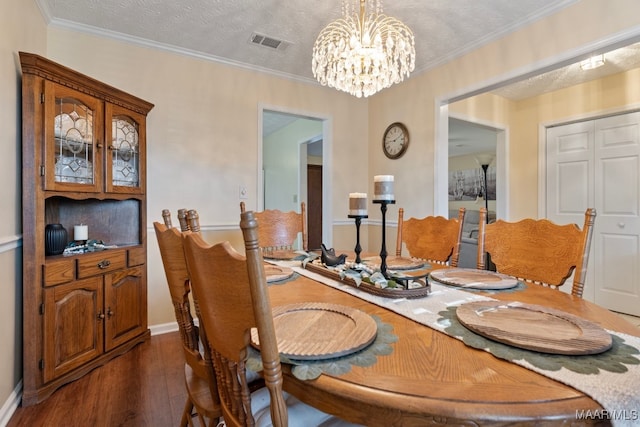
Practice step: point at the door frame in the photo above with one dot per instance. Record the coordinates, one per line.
(327, 163)
(441, 121)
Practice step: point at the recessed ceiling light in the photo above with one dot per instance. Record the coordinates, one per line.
(593, 62)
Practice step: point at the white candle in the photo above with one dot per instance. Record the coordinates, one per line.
(80, 232)
(358, 204)
(383, 187)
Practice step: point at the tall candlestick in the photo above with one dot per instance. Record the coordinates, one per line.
(358, 248)
(383, 250)
(383, 187)
(358, 204)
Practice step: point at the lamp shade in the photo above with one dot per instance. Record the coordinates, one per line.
(484, 158)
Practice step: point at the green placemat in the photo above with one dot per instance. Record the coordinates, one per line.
(615, 359)
(312, 369)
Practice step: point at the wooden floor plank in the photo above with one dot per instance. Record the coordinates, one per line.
(144, 387)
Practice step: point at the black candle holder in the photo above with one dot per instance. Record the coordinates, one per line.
(358, 249)
(383, 251)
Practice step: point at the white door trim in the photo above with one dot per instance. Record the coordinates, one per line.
(440, 163)
(327, 164)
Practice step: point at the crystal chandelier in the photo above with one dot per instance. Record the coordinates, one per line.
(363, 53)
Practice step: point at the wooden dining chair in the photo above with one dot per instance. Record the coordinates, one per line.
(202, 392)
(435, 239)
(538, 251)
(189, 220)
(232, 292)
(279, 230)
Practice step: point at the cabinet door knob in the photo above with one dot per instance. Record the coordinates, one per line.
(104, 264)
(100, 316)
(621, 224)
(109, 313)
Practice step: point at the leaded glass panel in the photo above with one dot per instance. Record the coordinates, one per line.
(125, 152)
(74, 153)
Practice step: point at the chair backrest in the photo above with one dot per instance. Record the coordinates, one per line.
(538, 251)
(189, 220)
(175, 267)
(435, 239)
(233, 297)
(279, 230)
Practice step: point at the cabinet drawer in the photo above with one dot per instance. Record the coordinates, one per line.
(59, 271)
(101, 262)
(137, 256)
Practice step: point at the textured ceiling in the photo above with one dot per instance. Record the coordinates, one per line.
(221, 30)
(616, 61)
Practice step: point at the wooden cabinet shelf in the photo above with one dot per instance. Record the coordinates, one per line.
(84, 162)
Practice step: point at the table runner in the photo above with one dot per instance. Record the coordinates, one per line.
(612, 378)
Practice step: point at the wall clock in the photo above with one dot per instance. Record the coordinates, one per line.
(395, 140)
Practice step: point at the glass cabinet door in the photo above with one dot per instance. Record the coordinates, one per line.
(125, 155)
(72, 159)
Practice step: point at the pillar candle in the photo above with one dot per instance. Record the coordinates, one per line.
(80, 232)
(383, 187)
(358, 204)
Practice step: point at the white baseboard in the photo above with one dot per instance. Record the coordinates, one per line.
(10, 406)
(163, 328)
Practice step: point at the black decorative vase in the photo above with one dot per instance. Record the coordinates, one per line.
(55, 239)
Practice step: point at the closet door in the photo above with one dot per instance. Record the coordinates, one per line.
(617, 194)
(570, 179)
(595, 164)
(570, 183)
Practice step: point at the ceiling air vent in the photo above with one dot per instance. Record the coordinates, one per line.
(267, 41)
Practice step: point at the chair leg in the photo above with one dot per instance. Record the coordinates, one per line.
(203, 422)
(186, 414)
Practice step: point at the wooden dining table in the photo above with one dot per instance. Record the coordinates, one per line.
(431, 378)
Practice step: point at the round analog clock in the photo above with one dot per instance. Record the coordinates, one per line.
(395, 140)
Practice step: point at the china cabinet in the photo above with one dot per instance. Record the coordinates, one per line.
(83, 163)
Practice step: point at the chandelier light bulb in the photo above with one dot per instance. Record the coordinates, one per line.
(363, 52)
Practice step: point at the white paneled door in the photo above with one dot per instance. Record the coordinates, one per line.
(595, 164)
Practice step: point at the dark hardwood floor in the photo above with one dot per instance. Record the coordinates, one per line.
(144, 387)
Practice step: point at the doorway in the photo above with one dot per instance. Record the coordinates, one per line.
(509, 83)
(470, 145)
(314, 206)
(537, 69)
(294, 160)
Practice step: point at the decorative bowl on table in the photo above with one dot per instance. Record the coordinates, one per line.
(369, 279)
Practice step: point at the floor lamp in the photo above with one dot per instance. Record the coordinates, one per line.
(484, 160)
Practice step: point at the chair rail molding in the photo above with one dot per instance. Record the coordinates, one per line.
(9, 243)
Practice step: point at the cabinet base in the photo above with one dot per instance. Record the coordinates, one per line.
(32, 397)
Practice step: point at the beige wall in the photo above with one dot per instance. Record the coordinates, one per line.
(203, 132)
(525, 121)
(613, 94)
(21, 29)
(415, 101)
